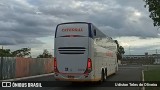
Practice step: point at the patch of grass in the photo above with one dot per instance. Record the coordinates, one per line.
(152, 75)
(152, 88)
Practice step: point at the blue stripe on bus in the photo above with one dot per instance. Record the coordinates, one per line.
(89, 30)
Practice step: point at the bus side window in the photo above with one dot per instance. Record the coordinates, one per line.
(94, 32)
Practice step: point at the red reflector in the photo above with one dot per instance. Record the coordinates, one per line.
(89, 66)
(55, 62)
(55, 65)
(89, 63)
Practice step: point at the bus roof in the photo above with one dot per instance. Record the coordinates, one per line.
(73, 22)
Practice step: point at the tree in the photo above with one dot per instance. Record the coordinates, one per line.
(120, 50)
(21, 52)
(154, 9)
(5, 53)
(18, 53)
(45, 54)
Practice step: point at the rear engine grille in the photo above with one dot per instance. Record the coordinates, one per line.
(71, 50)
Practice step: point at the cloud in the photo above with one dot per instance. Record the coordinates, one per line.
(21, 24)
(119, 15)
(138, 45)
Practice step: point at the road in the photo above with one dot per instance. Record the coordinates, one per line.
(125, 73)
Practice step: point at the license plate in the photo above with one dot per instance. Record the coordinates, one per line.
(69, 76)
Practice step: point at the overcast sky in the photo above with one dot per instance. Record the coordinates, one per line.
(31, 23)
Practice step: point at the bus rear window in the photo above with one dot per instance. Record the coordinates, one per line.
(72, 30)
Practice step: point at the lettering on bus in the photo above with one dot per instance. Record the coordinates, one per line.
(72, 30)
(110, 54)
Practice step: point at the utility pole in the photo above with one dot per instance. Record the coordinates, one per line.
(1, 76)
(156, 52)
(156, 55)
(129, 51)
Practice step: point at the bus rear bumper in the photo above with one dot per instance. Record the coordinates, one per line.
(75, 77)
(77, 80)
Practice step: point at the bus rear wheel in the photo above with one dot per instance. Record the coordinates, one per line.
(102, 76)
(105, 74)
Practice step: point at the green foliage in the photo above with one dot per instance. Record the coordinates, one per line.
(45, 54)
(120, 50)
(154, 9)
(5, 53)
(18, 53)
(22, 52)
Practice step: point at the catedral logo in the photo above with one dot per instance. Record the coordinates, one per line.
(72, 30)
(110, 54)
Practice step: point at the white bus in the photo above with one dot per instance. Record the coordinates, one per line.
(83, 53)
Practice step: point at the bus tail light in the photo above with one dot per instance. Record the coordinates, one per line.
(55, 66)
(89, 66)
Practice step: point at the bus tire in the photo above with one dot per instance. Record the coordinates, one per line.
(115, 71)
(103, 76)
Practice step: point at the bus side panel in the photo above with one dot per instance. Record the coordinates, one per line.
(105, 56)
(112, 60)
(98, 61)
